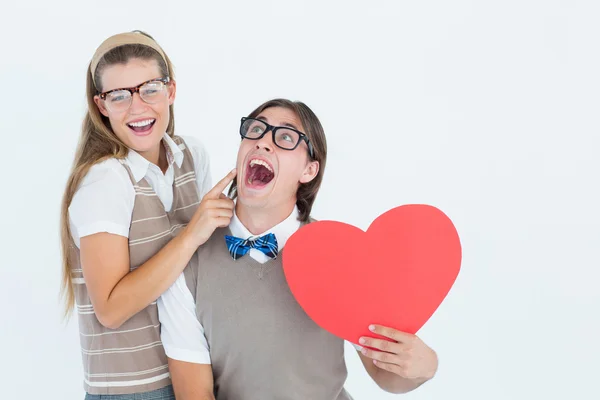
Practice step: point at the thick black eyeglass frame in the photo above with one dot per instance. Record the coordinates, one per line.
(135, 89)
(273, 130)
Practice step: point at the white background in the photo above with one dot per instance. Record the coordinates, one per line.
(485, 109)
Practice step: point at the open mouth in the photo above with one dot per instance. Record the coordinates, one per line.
(142, 126)
(259, 173)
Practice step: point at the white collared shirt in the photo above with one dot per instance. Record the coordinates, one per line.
(282, 232)
(104, 201)
(182, 334)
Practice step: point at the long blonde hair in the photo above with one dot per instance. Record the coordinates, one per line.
(97, 143)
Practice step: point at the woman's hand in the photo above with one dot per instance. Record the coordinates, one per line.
(215, 211)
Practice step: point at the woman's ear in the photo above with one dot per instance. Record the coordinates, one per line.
(172, 89)
(100, 105)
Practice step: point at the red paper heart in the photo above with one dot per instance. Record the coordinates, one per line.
(396, 274)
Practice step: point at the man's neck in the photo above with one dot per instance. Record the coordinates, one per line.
(259, 220)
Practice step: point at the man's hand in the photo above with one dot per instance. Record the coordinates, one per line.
(405, 355)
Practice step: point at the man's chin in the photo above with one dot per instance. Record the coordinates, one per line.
(253, 198)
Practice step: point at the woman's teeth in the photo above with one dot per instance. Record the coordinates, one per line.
(141, 124)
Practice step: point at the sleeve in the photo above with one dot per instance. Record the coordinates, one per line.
(103, 202)
(201, 164)
(181, 333)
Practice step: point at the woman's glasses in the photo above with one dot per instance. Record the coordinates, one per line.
(151, 92)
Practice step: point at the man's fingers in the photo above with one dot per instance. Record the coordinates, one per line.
(383, 345)
(392, 333)
(216, 191)
(381, 356)
(399, 370)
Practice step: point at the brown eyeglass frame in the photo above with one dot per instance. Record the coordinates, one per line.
(135, 89)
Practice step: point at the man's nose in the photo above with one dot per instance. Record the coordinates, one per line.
(265, 142)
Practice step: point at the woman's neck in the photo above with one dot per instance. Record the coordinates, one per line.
(157, 156)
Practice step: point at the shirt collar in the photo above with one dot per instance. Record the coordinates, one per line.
(282, 231)
(139, 165)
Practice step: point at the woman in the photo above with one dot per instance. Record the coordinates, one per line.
(132, 216)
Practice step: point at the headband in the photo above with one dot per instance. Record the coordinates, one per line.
(120, 40)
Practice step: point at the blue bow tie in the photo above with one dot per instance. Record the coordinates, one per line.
(238, 247)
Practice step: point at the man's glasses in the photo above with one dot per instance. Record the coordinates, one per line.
(151, 92)
(284, 137)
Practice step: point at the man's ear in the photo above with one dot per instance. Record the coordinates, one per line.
(311, 171)
(100, 105)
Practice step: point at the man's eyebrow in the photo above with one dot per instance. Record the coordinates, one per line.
(286, 124)
(290, 126)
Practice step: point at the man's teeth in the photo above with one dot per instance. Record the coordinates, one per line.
(140, 124)
(260, 162)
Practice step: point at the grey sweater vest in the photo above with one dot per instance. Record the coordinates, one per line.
(262, 343)
(131, 359)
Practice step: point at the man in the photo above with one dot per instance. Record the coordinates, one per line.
(233, 297)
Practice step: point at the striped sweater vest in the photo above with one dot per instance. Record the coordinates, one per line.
(262, 343)
(131, 359)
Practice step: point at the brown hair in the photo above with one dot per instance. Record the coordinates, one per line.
(307, 192)
(97, 143)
